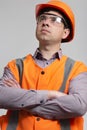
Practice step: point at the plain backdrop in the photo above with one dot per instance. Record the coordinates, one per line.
(17, 32)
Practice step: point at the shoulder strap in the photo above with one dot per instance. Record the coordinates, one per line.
(65, 123)
(13, 120)
(20, 66)
(68, 66)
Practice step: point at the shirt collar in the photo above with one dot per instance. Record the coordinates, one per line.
(39, 56)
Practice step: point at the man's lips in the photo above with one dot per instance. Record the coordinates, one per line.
(45, 31)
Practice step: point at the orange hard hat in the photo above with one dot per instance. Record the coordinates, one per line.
(63, 8)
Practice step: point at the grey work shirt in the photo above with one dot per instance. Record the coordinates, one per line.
(36, 101)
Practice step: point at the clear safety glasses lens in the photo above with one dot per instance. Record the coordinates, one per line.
(52, 18)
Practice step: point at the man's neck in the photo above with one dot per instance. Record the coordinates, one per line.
(48, 51)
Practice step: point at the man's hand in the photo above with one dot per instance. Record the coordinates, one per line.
(55, 94)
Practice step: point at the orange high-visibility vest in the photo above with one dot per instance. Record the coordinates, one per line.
(48, 78)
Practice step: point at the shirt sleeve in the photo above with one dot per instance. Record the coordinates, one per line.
(72, 105)
(13, 97)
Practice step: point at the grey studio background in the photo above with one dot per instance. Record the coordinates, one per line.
(17, 32)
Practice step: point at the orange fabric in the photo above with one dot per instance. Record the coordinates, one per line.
(1, 119)
(2, 123)
(33, 79)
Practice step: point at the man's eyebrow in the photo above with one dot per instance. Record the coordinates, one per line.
(52, 14)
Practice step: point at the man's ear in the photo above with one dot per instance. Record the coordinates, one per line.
(66, 33)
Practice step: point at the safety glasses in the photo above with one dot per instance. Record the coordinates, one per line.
(52, 18)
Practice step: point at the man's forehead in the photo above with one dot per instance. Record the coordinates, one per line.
(52, 12)
(48, 9)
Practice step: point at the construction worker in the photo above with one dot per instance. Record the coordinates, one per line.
(54, 86)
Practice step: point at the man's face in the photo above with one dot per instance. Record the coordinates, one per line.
(50, 27)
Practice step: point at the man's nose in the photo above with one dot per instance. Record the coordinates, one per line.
(45, 22)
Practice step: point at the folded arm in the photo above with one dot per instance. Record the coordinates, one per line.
(66, 106)
(13, 97)
(46, 104)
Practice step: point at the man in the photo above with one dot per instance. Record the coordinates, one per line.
(54, 87)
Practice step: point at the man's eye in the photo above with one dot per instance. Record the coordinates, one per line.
(42, 18)
(53, 19)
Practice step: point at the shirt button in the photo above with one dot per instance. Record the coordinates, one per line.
(41, 101)
(38, 118)
(42, 72)
(22, 105)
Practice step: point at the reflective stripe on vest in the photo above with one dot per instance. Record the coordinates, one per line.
(65, 123)
(19, 63)
(13, 121)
